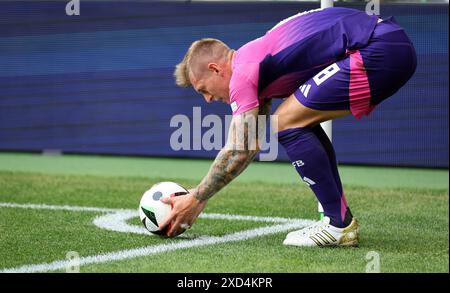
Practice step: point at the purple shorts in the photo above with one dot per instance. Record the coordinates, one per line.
(365, 77)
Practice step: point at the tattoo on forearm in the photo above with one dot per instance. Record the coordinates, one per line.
(227, 166)
(229, 163)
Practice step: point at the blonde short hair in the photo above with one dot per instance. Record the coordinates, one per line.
(210, 50)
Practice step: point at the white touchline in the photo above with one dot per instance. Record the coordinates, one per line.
(115, 220)
(55, 207)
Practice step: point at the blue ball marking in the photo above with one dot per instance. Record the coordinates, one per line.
(157, 195)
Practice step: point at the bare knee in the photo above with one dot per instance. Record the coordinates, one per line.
(292, 114)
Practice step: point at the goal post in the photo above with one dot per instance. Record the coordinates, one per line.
(327, 125)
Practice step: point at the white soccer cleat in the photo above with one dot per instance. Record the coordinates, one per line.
(322, 234)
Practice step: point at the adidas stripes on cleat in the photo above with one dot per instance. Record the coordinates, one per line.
(322, 234)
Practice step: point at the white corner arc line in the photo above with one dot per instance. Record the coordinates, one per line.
(246, 218)
(117, 222)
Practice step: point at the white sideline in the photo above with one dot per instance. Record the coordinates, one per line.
(111, 210)
(55, 207)
(119, 215)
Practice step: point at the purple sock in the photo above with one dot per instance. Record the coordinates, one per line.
(312, 155)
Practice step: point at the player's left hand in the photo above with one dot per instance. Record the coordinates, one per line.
(185, 210)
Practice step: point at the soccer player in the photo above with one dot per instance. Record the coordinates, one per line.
(325, 64)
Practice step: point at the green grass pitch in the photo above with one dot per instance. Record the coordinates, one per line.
(404, 216)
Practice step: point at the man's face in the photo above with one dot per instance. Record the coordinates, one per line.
(213, 85)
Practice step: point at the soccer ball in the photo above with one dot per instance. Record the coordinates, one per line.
(152, 211)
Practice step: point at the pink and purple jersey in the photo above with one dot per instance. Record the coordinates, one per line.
(278, 63)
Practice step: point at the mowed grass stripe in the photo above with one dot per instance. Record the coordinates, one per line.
(195, 169)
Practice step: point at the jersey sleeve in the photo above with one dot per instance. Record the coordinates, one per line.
(243, 94)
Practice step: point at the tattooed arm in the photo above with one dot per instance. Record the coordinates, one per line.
(242, 147)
